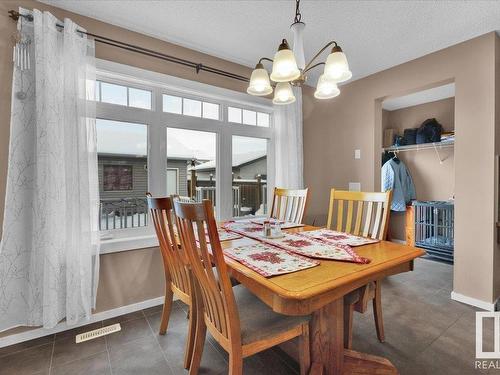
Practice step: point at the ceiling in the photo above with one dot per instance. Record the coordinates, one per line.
(420, 97)
(375, 35)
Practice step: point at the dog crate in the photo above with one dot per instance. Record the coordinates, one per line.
(434, 228)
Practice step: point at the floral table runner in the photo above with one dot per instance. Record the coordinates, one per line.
(269, 260)
(296, 243)
(340, 238)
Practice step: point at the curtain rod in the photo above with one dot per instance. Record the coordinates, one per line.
(144, 51)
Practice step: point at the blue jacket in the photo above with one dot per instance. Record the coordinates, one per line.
(395, 177)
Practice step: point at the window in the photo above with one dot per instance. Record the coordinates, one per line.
(190, 107)
(122, 95)
(172, 104)
(117, 177)
(249, 176)
(247, 117)
(183, 146)
(210, 111)
(193, 153)
(123, 177)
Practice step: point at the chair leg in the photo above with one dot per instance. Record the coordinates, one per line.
(199, 343)
(167, 308)
(188, 353)
(235, 362)
(304, 350)
(377, 311)
(348, 318)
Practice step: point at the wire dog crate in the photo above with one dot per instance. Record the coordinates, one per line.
(434, 228)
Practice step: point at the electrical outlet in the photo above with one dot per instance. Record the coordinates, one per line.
(357, 154)
(354, 186)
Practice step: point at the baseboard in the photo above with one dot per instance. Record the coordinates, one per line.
(488, 306)
(108, 314)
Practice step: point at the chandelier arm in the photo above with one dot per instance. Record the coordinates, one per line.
(265, 59)
(319, 53)
(312, 67)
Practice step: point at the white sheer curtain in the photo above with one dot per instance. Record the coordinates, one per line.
(49, 254)
(288, 148)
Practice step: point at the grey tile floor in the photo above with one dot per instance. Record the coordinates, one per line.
(426, 333)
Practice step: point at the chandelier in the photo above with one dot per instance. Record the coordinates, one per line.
(289, 68)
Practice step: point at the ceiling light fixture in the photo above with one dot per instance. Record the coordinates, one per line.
(289, 68)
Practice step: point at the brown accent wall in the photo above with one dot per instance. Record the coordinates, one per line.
(131, 276)
(433, 180)
(333, 129)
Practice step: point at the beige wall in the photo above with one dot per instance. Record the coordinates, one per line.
(433, 180)
(131, 276)
(333, 129)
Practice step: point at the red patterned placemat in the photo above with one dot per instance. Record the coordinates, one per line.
(341, 238)
(268, 260)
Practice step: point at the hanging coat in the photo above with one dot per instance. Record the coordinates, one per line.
(396, 177)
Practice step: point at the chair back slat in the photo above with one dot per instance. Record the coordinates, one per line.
(289, 205)
(174, 262)
(194, 221)
(370, 217)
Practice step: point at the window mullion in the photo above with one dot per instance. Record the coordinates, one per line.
(157, 147)
(224, 192)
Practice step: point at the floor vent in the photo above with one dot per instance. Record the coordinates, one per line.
(98, 333)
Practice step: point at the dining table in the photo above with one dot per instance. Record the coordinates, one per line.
(319, 291)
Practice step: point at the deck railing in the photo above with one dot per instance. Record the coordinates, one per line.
(123, 213)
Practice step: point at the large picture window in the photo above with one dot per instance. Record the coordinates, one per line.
(153, 138)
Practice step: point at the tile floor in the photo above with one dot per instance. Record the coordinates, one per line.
(426, 333)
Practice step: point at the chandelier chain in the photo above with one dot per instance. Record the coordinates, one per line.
(298, 16)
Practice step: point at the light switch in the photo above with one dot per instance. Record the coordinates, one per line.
(354, 186)
(357, 154)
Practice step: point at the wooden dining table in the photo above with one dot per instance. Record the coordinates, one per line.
(320, 291)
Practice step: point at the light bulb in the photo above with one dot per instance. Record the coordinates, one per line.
(283, 94)
(284, 66)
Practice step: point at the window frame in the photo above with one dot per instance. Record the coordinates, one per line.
(157, 122)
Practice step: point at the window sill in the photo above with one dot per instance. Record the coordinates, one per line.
(117, 245)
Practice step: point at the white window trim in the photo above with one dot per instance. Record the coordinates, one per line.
(157, 121)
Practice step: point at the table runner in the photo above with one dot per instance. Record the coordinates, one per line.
(268, 260)
(293, 242)
(341, 238)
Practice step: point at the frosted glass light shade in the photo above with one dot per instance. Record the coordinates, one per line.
(336, 66)
(326, 89)
(283, 94)
(284, 66)
(259, 83)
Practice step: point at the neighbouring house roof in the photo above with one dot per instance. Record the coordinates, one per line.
(238, 160)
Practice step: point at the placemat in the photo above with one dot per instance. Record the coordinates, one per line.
(341, 238)
(268, 260)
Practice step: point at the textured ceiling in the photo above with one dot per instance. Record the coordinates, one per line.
(375, 35)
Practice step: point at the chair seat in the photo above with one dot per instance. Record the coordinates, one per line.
(258, 321)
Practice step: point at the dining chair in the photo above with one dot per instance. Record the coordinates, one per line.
(289, 204)
(366, 215)
(241, 323)
(178, 278)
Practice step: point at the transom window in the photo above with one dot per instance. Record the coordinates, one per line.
(247, 117)
(190, 107)
(122, 95)
(176, 147)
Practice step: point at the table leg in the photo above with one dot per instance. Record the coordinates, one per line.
(327, 338)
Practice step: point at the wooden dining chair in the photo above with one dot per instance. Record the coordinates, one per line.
(241, 323)
(289, 204)
(178, 278)
(366, 215)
